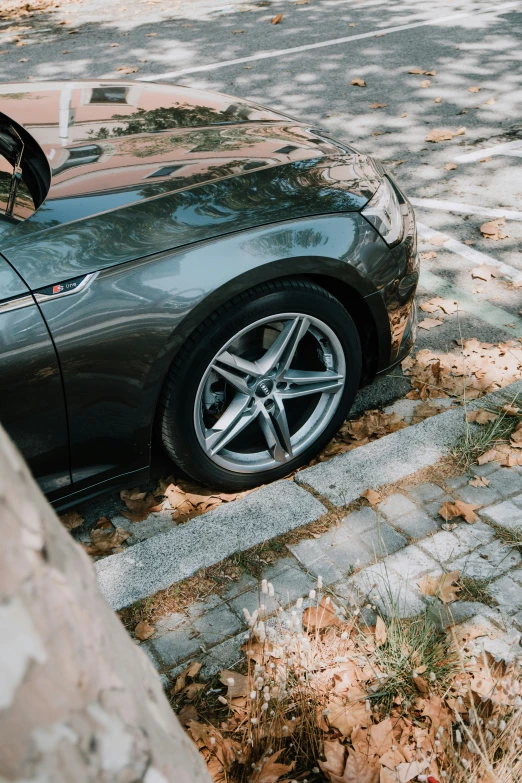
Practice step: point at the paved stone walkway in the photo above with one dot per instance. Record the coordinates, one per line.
(373, 560)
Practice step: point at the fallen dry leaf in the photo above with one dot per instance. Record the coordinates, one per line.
(516, 437)
(71, 520)
(191, 671)
(479, 481)
(431, 254)
(444, 587)
(486, 272)
(377, 105)
(276, 19)
(444, 134)
(438, 240)
(422, 72)
(192, 690)
(450, 510)
(187, 714)
(480, 416)
(371, 496)
(425, 83)
(391, 759)
(358, 83)
(474, 89)
(410, 770)
(334, 754)
(139, 504)
(360, 769)
(127, 69)
(450, 166)
(380, 632)
(489, 102)
(381, 737)
(317, 617)
(271, 771)
(104, 541)
(493, 229)
(429, 323)
(237, 683)
(449, 306)
(437, 100)
(491, 455)
(144, 630)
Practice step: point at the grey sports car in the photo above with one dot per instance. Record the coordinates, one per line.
(188, 268)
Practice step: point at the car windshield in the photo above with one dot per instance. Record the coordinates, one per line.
(16, 202)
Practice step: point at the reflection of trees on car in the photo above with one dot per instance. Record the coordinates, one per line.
(164, 118)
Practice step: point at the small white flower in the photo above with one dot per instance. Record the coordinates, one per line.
(312, 594)
(264, 586)
(433, 676)
(222, 700)
(458, 737)
(502, 725)
(271, 589)
(299, 603)
(264, 707)
(253, 694)
(231, 681)
(319, 582)
(253, 721)
(247, 614)
(344, 635)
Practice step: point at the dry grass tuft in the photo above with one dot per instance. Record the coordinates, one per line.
(321, 697)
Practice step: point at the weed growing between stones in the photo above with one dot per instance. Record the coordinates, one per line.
(322, 697)
(473, 589)
(510, 536)
(495, 440)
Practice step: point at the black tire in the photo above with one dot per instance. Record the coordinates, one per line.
(178, 396)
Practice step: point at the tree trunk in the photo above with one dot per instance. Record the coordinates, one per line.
(79, 702)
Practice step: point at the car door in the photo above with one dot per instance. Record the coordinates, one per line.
(32, 405)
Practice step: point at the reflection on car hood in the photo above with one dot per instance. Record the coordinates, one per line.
(111, 144)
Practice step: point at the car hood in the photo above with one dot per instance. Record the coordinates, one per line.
(113, 143)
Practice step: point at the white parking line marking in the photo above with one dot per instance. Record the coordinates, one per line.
(332, 42)
(475, 257)
(465, 209)
(492, 315)
(487, 152)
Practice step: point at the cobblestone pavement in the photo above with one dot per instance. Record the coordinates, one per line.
(374, 559)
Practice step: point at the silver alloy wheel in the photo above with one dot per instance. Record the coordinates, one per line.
(242, 411)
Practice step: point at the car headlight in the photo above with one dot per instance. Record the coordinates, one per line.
(383, 211)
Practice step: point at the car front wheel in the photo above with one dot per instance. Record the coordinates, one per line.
(262, 385)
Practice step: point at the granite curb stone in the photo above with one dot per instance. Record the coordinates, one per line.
(158, 562)
(388, 460)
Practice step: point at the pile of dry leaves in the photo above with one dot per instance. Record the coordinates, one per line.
(324, 699)
(20, 9)
(478, 369)
(185, 499)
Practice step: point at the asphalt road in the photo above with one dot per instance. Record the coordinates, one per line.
(223, 46)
